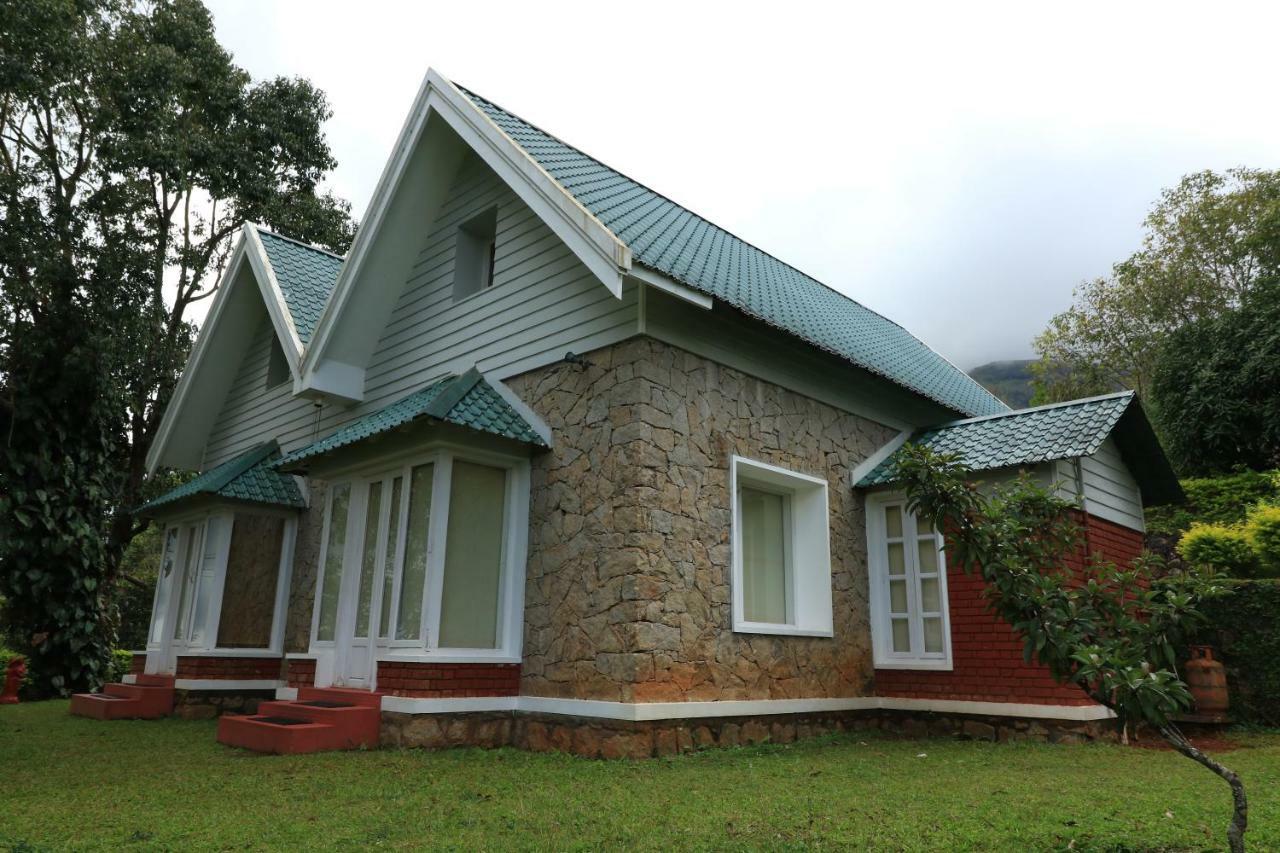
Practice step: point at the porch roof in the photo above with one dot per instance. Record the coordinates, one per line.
(250, 477)
(1048, 433)
(467, 401)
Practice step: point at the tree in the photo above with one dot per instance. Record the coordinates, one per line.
(1208, 242)
(132, 149)
(1216, 388)
(1113, 632)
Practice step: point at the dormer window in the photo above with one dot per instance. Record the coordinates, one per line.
(477, 247)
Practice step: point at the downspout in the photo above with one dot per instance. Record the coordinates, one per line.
(1083, 504)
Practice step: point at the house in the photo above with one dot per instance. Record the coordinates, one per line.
(550, 460)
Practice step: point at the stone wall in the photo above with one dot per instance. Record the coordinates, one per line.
(627, 595)
(306, 560)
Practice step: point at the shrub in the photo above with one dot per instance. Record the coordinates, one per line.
(1215, 500)
(121, 663)
(1218, 546)
(1263, 531)
(1244, 627)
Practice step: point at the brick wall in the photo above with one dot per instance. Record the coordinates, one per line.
(448, 680)
(300, 672)
(986, 654)
(138, 664)
(232, 668)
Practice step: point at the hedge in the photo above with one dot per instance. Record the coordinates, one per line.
(1244, 627)
(1215, 500)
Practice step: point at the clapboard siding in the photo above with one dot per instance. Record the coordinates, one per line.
(544, 302)
(1110, 491)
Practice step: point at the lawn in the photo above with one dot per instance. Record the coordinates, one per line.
(73, 783)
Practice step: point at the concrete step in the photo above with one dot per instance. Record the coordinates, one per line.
(285, 734)
(124, 701)
(359, 718)
(144, 680)
(367, 698)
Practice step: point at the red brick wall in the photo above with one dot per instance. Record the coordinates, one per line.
(986, 654)
(228, 668)
(448, 680)
(300, 672)
(138, 665)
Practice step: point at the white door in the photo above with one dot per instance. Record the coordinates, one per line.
(175, 591)
(366, 581)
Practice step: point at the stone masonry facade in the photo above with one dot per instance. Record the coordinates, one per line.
(627, 595)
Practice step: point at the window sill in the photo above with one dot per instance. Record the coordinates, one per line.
(231, 653)
(779, 630)
(453, 656)
(935, 665)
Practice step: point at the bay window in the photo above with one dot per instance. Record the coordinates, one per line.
(781, 551)
(910, 624)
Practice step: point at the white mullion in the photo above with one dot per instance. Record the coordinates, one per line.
(437, 532)
(912, 562)
(397, 568)
(325, 536)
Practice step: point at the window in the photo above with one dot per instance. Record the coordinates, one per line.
(781, 551)
(439, 567)
(277, 367)
(909, 619)
(475, 253)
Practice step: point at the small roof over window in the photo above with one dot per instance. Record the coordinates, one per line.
(251, 477)
(1049, 433)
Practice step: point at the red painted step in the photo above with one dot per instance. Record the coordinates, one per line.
(125, 701)
(320, 719)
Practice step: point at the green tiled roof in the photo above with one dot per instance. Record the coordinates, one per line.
(466, 401)
(1022, 437)
(250, 477)
(306, 276)
(675, 241)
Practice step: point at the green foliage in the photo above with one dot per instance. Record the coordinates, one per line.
(1209, 241)
(132, 149)
(1245, 628)
(1223, 499)
(136, 592)
(1116, 635)
(1263, 532)
(1216, 387)
(1217, 546)
(121, 663)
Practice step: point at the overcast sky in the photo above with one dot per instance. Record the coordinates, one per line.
(958, 167)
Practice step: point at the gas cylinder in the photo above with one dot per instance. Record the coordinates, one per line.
(1207, 680)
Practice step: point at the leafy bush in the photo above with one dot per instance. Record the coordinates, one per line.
(1215, 500)
(1245, 628)
(121, 663)
(1220, 547)
(1263, 531)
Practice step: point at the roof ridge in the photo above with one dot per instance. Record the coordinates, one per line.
(1028, 410)
(685, 207)
(262, 229)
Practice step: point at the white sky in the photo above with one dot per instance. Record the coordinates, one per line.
(958, 167)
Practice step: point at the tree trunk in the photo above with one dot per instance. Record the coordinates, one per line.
(1240, 817)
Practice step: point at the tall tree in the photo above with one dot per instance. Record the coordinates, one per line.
(132, 149)
(1208, 242)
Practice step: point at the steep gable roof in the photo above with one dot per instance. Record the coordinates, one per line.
(306, 275)
(680, 244)
(1048, 433)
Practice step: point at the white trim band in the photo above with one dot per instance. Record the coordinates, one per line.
(641, 711)
(227, 684)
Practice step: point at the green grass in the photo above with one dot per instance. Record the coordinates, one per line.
(67, 782)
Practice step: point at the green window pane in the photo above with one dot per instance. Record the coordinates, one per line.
(928, 556)
(893, 521)
(901, 636)
(473, 557)
(898, 596)
(389, 559)
(930, 598)
(164, 583)
(414, 576)
(368, 560)
(188, 569)
(897, 558)
(331, 578)
(764, 556)
(933, 635)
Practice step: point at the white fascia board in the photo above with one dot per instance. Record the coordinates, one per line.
(642, 711)
(522, 408)
(658, 281)
(869, 464)
(273, 297)
(336, 380)
(607, 256)
(181, 391)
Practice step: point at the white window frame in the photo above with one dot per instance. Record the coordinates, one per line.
(883, 654)
(510, 625)
(809, 609)
(185, 645)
